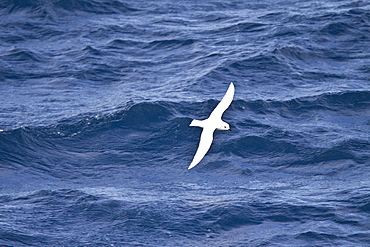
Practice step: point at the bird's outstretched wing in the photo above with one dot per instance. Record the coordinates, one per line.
(224, 103)
(205, 143)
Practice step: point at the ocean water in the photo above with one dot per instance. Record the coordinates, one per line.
(96, 101)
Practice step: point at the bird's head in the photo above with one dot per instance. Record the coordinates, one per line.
(224, 126)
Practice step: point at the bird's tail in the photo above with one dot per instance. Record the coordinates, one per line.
(197, 123)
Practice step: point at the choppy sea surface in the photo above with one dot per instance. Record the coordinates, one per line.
(96, 100)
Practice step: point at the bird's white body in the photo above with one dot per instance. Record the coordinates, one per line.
(210, 124)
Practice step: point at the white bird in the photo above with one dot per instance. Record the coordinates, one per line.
(210, 124)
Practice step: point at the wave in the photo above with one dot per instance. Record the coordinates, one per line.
(179, 215)
(159, 131)
(50, 8)
(152, 113)
(22, 55)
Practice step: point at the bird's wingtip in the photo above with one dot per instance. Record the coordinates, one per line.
(191, 166)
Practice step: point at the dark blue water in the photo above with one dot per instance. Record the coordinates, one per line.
(96, 99)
